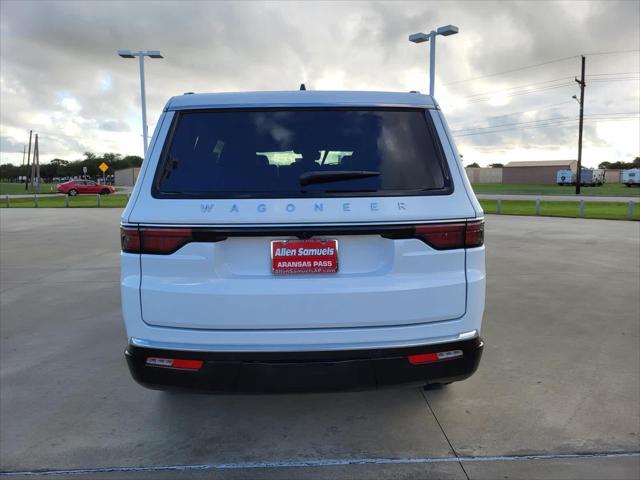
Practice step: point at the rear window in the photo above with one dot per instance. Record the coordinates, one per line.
(301, 152)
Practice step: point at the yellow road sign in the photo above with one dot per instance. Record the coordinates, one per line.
(103, 167)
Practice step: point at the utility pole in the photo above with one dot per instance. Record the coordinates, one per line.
(36, 158)
(33, 161)
(24, 153)
(26, 180)
(582, 85)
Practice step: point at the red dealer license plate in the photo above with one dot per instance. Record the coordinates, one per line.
(304, 256)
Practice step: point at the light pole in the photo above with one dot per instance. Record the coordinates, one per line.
(425, 37)
(141, 54)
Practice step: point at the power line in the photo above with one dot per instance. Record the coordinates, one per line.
(612, 113)
(616, 52)
(550, 124)
(512, 124)
(615, 73)
(557, 123)
(527, 67)
(593, 116)
(522, 92)
(525, 88)
(614, 80)
(541, 107)
(512, 71)
(479, 98)
(518, 87)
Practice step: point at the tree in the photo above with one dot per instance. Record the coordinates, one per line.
(473, 165)
(621, 165)
(59, 167)
(496, 165)
(133, 160)
(111, 157)
(58, 162)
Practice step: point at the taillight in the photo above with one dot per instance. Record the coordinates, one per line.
(164, 240)
(475, 234)
(159, 241)
(442, 236)
(449, 236)
(130, 239)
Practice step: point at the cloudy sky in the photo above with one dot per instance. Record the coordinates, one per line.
(60, 75)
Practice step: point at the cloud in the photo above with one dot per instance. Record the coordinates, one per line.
(113, 126)
(8, 145)
(51, 47)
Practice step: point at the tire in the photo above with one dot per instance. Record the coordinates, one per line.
(72, 193)
(105, 191)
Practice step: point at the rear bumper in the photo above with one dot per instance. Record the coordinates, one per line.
(282, 372)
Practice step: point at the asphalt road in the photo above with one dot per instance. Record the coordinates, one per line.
(557, 394)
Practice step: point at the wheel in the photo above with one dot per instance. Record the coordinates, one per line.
(105, 191)
(73, 192)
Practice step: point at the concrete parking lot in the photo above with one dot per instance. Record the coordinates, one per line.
(557, 394)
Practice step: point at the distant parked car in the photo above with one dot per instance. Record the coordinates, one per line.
(631, 177)
(76, 187)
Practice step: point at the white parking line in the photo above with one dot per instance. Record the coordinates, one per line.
(320, 463)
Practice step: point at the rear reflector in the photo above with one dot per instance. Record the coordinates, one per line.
(176, 363)
(422, 358)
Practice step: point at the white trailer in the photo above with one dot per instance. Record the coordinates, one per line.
(631, 177)
(592, 176)
(565, 177)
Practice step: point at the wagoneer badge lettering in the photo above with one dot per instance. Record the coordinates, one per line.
(291, 207)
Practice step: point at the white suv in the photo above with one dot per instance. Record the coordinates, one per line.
(302, 241)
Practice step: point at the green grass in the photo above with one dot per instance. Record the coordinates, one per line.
(7, 188)
(608, 189)
(601, 210)
(81, 201)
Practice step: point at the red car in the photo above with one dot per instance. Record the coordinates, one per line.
(75, 187)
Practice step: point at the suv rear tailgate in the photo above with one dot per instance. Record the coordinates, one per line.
(229, 285)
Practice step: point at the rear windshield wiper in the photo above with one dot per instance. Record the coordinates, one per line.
(308, 178)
